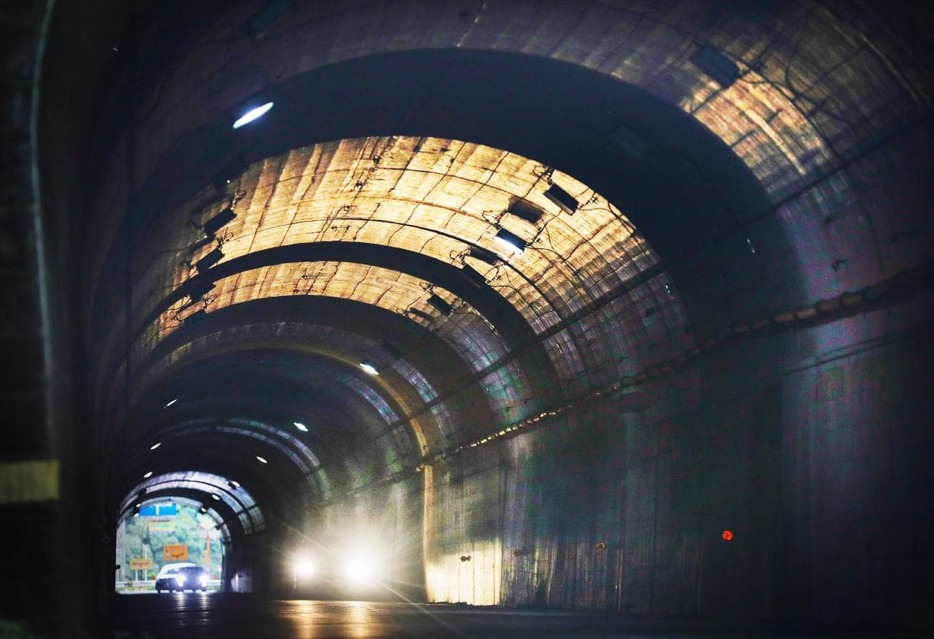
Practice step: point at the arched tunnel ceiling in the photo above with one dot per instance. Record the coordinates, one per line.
(436, 197)
(427, 164)
(225, 499)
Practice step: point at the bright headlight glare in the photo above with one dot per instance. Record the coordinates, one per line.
(304, 567)
(360, 572)
(180, 580)
(204, 580)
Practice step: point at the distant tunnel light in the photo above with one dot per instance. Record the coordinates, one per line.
(155, 446)
(369, 368)
(300, 426)
(215, 497)
(233, 484)
(253, 114)
(727, 535)
(147, 474)
(170, 403)
(261, 460)
(510, 240)
(203, 510)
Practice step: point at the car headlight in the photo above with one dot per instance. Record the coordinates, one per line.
(304, 567)
(360, 572)
(180, 580)
(204, 580)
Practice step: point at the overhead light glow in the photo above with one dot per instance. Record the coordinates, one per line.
(361, 572)
(510, 240)
(215, 497)
(253, 114)
(261, 460)
(300, 426)
(147, 475)
(155, 446)
(369, 368)
(234, 484)
(171, 402)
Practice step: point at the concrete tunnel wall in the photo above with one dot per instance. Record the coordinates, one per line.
(808, 440)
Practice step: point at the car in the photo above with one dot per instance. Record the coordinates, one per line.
(181, 577)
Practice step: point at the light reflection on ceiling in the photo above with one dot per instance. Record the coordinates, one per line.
(440, 198)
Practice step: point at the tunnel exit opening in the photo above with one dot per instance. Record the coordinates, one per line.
(162, 533)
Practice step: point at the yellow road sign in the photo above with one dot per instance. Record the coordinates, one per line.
(175, 552)
(140, 564)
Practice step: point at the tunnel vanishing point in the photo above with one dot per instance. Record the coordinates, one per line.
(602, 305)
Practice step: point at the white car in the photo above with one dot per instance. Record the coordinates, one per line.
(181, 576)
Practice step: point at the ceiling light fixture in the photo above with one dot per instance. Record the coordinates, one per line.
(209, 260)
(147, 474)
(252, 114)
(233, 484)
(196, 317)
(215, 497)
(300, 426)
(716, 65)
(473, 276)
(369, 368)
(171, 402)
(261, 460)
(199, 287)
(417, 312)
(155, 446)
(217, 222)
(440, 304)
(565, 201)
(484, 255)
(510, 240)
(525, 211)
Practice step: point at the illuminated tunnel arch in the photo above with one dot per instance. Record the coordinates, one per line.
(572, 376)
(738, 148)
(235, 507)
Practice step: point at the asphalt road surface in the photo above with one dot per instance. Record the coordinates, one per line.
(229, 616)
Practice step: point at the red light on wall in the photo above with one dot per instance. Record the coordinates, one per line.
(727, 535)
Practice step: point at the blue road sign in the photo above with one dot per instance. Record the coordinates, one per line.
(159, 510)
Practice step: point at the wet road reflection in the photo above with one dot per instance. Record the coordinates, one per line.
(229, 616)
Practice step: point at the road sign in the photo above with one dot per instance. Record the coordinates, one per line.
(175, 552)
(162, 524)
(140, 564)
(168, 509)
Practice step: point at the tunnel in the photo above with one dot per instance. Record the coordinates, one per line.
(600, 306)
